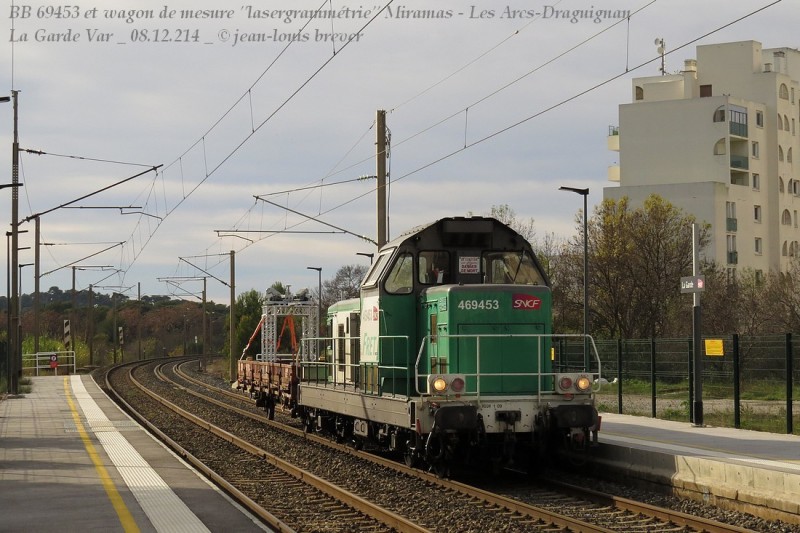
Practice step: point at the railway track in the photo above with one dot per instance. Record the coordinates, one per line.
(361, 485)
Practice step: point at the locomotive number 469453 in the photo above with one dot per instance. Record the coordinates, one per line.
(479, 304)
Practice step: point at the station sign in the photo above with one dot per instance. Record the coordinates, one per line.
(693, 284)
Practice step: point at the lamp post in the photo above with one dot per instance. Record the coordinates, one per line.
(21, 265)
(585, 194)
(319, 304)
(366, 255)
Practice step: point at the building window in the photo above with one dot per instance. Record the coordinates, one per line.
(780, 184)
(785, 123)
(758, 249)
(789, 156)
(639, 93)
(780, 153)
(786, 218)
(760, 119)
(783, 92)
(755, 149)
(705, 91)
(759, 276)
(785, 249)
(780, 122)
(756, 182)
(733, 256)
(757, 213)
(795, 218)
(719, 114)
(719, 147)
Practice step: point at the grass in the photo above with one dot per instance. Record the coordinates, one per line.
(762, 407)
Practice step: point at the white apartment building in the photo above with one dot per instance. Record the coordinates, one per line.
(720, 141)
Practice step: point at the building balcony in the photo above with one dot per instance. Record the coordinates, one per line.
(614, 173)
(740, 161)
(613, 142)
(733, 258)
(738, 129)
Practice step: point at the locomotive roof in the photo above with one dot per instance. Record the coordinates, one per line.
(437, 225)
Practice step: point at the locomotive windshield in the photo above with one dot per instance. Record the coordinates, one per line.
(514, 267)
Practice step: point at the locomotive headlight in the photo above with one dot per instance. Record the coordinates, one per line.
(583, 384)
(447, 384)
(565, 383)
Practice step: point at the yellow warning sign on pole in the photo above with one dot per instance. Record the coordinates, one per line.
(714, 348)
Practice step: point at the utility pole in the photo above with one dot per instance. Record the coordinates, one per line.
(380, 158)
(15, 340)
(36, 265)
(697, 403)
(232, 328)
(139, 322)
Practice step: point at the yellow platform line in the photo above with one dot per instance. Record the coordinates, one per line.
(125, 518)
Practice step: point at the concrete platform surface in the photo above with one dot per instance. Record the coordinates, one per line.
(71, 460)
(750, 471)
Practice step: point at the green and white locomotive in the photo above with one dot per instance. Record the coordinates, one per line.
(448, 355)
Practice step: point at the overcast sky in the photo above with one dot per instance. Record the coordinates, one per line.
(488, 103)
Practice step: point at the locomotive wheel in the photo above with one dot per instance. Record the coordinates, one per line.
(441, 468)
(409, 455)
(409, 458)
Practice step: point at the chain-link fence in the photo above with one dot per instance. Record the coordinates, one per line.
(752, 381)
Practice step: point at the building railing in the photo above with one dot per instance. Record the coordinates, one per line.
(740, 161)
(738, 129)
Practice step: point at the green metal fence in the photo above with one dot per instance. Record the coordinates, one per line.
(752, 385)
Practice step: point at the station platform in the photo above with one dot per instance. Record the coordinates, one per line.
(749, 471)
(70, 459)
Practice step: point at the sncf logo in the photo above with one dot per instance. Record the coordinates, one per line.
(526, 302)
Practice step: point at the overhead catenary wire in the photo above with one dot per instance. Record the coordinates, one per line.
(247, 137)
(526, 119)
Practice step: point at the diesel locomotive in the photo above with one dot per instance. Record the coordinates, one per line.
(447, 356)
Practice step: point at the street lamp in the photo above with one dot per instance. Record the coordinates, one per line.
(366, 255)
(585, 194)
(319, 304)
(20, 280)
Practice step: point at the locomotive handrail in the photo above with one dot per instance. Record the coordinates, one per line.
(478, 375)
(364, 381)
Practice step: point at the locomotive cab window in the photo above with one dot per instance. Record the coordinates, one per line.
(514, 267)
(377, 269)
(434, 267)
(400, 279)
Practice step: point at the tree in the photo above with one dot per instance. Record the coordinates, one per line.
(636, 259)
(249, 307)
(345, 284)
